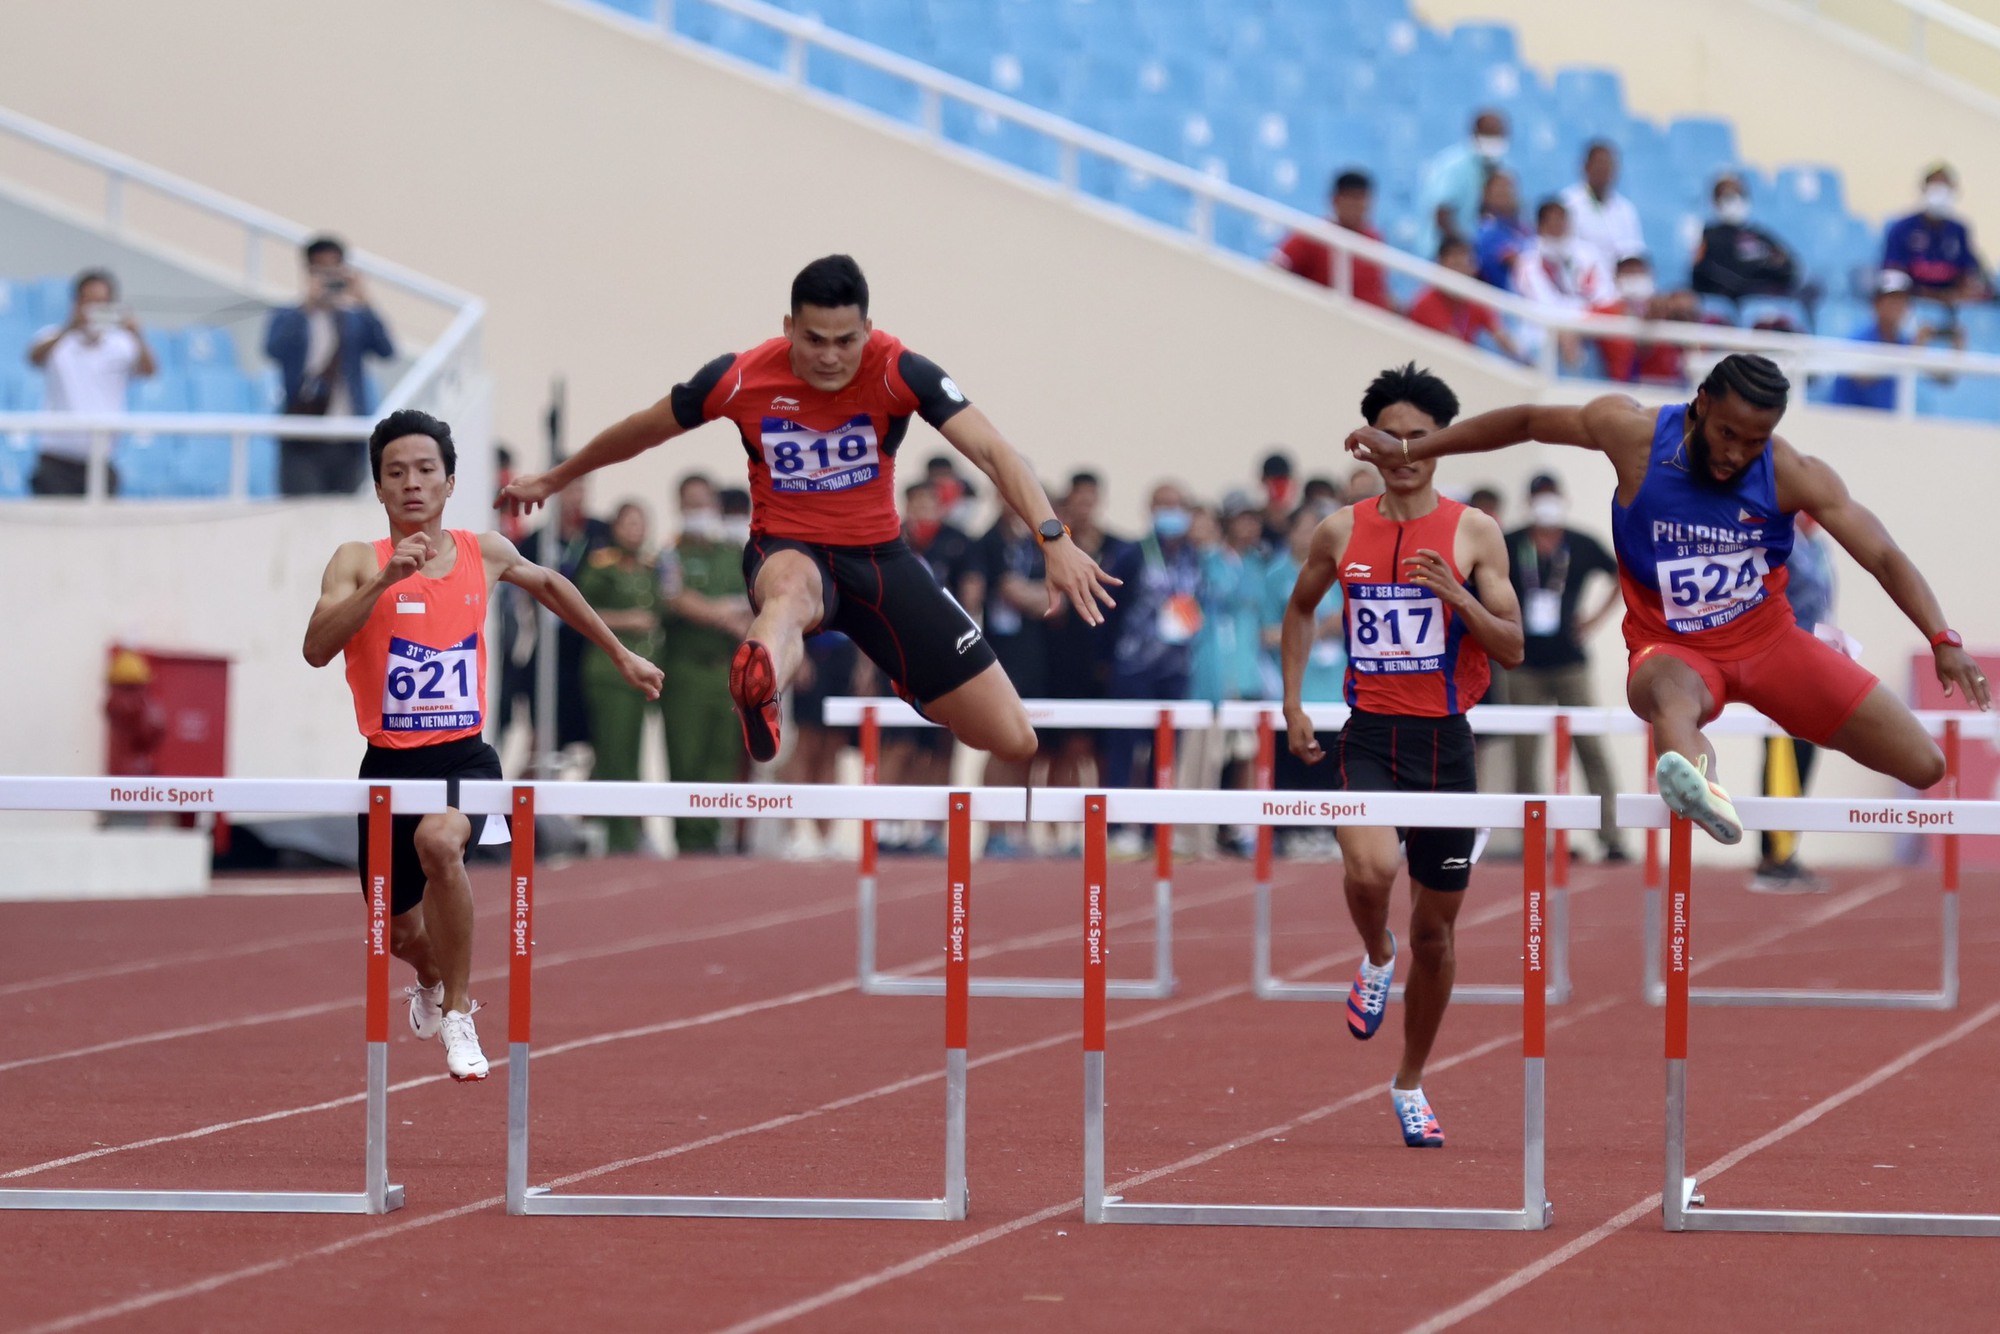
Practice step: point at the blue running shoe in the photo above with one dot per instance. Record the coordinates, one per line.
(1368, 998)
(1420, 1124)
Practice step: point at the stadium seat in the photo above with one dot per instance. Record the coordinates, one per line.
(1481, 44)
(1968, 397)
(1815, 189)
(1775, 312)
(876, 89)
(1006, 140)
(1701, 146)
(1591, 102)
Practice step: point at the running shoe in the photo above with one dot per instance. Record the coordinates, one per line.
(1689, 794)
(1368, 998)
(753, 685)
(426, 1010)
(1419, 1122)
(1785, 877)
(462, 1055)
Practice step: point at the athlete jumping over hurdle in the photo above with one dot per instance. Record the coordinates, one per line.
(1702, 524)
(1426, 603)
(821, 412)
(409, 613)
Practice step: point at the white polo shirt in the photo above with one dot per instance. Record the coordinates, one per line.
(85, 375)
(1611, 228)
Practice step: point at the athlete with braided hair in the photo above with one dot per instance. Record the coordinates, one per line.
(1702, 524)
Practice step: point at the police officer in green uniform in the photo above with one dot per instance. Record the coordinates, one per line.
(707, 613)
(622, 585)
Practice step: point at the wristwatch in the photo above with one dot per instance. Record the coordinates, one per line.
(1944, 637)
(1052, 530)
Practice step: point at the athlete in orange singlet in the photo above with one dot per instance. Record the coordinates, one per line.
(821, 413)
(1426, 604)
(409, 613)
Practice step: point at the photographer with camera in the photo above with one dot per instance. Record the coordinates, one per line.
(319, 346)
(87, 364)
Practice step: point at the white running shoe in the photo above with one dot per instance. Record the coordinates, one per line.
(1688, 793)
(426, 1010)
(462, 1055)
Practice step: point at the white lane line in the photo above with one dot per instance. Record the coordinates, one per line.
(1527, 1274)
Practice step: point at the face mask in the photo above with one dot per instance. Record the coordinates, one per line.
(736, 531)
(1938, 199)
(1279, 489)
(703, 525)
(1556, 248)
(1548, 510)
(1492, 147)
(1636, 286)
(1171, 524)
(1733, 209)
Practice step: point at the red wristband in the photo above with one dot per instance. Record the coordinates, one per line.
(1947, 636)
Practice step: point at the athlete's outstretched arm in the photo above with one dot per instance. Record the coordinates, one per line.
(1071, 573)
(349, 588)
(1301, 627)
(614, 444)
(1611, 425)
(1805, 483)
(1491, 611)
(559, 595)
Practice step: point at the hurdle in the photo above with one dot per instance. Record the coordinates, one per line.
(1951, 729)
(1533, 815)
(275, 796)
(1267, 720)
(1682, 1208)
(1163, 717)
(735, 801)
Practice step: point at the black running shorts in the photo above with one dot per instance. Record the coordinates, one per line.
(467, 757)
(1385, 752)
(885, 600)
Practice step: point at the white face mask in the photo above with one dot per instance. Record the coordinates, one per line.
(1733, 209)
(1548, 510)
(736, 531)
(1938, 199)
(1636, 286)
(1492, 147)
(703, 525)
(1556, 247)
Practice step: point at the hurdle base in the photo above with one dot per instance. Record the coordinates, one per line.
(205, 1201)
(1030, 988)
(538, 1200)
(1695, 1218)
(1118, 1210)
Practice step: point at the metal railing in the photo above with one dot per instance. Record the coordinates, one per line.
(1921, 15)
(1800, 354)
(437, 380)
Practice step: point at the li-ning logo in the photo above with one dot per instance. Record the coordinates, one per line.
(1455, 863)
(783, 404)
(967, 640)
(1356, 570)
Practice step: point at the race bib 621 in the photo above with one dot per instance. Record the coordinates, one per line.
(431, 689)
(802, 459)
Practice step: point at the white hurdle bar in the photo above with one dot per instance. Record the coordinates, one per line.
(1682, 1208)
(1533, 815)
(1950, 729)
(739, 801)
(274, 796)
(1267, 720)
(1162, 717)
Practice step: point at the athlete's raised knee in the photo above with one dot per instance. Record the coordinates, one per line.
(440, 844)
(1925, 768)
(1372, 875)
(1014, 740)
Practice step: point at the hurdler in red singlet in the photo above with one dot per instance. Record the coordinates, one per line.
(408, 612)
(1426, 605)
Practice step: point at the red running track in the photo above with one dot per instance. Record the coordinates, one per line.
(697, 1030)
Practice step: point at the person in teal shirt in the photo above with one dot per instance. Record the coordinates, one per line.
(1324, 682)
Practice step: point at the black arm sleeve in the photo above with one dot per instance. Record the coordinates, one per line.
(688, 397)
(938, 399)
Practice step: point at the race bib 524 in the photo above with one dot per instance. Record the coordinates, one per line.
(1703, 592)
(431, 689)
(802, 459)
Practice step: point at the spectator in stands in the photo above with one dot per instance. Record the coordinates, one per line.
(1892, 314)
(1550, 565)
(1934, 247)
(1015, 619)
(1325, 667)
(705, 612)
(1465, 320)
(621, 584)
(958, 499)
(1486, 500)
(1353, 199)
(577, 536)
(320, 346)
(1449, 201)
(1788, 761)
(1362, 483)
(1502, 235)
(1736, 259)
(87, 364)
(1599, 216)
(1635, 360)
(1153, 629)
(1225, 650)
(1320, 492)
(1279, 498)
(1562, 274)
(1079, 655)
(735, 515)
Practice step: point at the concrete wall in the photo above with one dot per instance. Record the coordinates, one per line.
(629, 210)
(1797, 92)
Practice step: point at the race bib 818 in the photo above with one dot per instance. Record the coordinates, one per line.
(802, 459)
(431, 689)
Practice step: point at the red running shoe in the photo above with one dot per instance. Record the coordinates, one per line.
(753, 685)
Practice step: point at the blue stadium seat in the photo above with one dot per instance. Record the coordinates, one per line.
(206, 346)
(641, 9)
(1591, 101)
(1775, 311)
(1701, 146)
(865, 85)
(740, 37)
(1982, 327)
(1009, 142)
(1968, 397)
(1841, 316)
(1481, 44)
(1815, 189)
(47, 301)
(1714, 306)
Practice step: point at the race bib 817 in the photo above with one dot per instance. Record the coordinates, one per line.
(1703, 592)
(431, 689)
(1394, 628)
(802, 459)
